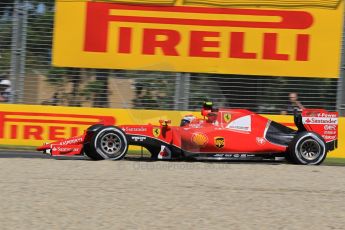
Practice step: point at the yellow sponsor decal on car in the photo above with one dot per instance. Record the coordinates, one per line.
(227, 117)
(199, 139)
(219, 142)
(156, 132)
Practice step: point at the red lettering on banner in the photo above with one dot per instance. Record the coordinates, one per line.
(14, 131)
(28, 127)
(125, 39)
(302, 47)
(2, 125)
(96, 31)
(271, 46)
(198, 43)
(33, 132)
(237, 46)
(168, 44)
(99, 15)
(74, 132)
(56, 132)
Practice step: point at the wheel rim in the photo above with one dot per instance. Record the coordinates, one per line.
(310, 149)
(111, 144)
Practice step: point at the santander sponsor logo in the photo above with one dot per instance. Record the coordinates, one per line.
(321, 120)
(65, 150)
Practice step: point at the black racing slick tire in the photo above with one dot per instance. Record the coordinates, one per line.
(307, 148)
(107, 143)
(87, 149)
(94, 128)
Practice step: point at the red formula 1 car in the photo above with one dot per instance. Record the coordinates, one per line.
(222, 134)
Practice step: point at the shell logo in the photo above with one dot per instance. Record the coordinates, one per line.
(199, 139)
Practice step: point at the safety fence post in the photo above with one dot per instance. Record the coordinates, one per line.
(18, 49)
(182, 91)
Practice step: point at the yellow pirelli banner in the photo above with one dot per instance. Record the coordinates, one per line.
(300, 38)
(32, 125)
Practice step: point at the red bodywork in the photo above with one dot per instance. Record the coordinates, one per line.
(226, 132)
(322, 122)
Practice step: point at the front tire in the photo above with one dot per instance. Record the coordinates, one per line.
(307, 148)
(107, 143)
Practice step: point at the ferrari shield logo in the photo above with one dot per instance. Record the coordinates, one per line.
(227, 117)
(156, 132)
(219, 142)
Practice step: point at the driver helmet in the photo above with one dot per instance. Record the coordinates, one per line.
(187, 120)
(211, 117)
(206, 108)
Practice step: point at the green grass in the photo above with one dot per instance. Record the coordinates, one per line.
(335, 161)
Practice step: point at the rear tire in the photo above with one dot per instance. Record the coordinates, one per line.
(107, 143)
(307, 148)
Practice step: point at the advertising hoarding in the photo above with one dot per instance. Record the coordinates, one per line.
(292, 38)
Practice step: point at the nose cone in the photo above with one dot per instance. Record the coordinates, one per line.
(43, 147)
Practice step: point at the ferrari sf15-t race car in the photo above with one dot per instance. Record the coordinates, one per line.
(230, 134)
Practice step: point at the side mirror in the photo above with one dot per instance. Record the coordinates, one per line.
(164, 122)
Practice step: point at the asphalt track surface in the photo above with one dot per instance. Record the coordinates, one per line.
(38, 192)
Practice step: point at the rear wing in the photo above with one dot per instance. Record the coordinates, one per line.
(320, 121)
